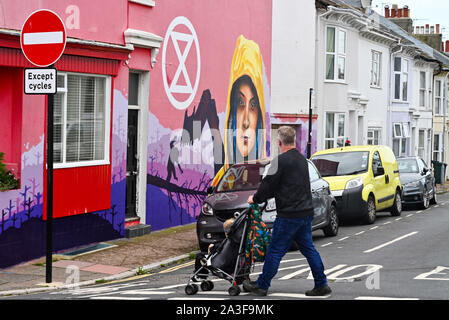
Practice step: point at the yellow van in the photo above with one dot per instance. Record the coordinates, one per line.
(363, 180)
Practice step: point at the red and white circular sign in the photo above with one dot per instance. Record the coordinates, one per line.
(43, 38)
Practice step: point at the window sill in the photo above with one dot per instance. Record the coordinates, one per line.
(148, 3)
(80, 164)
(375, 87)
(336, 81)
(400, 101)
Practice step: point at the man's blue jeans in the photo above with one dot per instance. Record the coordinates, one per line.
(285, 230)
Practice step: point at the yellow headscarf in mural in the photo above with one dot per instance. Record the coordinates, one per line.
(246, 63)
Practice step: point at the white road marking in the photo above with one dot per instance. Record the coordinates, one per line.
(409, 215)
(358, 233)
(436, 206)
(388, 222)
(117, 298)
(375, 227)
(397, 219)
(43, 37)
(296, 295)
(419, 211)
(344, 238)
(327, 244)
(383, 298)
(390, 242)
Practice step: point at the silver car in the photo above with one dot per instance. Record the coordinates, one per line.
(418, 182)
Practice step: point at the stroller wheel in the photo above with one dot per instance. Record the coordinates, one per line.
(207, 285)
(191, 289)
(234, 291)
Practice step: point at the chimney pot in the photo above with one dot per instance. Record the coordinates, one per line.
(432, 29)
(387, 11)
(406, 12)
(399, 13)
(427, 28)
(437, 28)
(447, 45)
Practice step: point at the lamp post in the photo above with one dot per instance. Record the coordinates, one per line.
(309, 141)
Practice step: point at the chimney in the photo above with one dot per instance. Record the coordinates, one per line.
(432, 29)
(406, 12)
(422, 29)
(447, 46)
(387, 11)
(394, 9)
(399, 13)
(437, 28)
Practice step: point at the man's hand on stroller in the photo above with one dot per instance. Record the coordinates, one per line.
(250, 199)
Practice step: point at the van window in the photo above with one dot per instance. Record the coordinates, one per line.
(377, 162)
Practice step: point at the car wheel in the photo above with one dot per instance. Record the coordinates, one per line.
(370, 211)
(434, 198)
(425, 199)
(331, 230)
(396, 209)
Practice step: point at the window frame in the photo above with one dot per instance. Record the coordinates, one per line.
(440, 97)
(378, 68)
(373, 130)
(437, 151)
(422, 89)
(337, 54)
(107, 124)
(401, 74)
(335, 136)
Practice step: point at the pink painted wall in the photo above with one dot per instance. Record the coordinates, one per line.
(218, 24)
(100, 20)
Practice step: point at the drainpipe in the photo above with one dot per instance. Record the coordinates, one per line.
(443, 178)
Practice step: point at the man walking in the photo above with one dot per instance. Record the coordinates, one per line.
(287, 180)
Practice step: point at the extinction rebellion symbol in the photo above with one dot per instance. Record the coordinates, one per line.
(178, 87)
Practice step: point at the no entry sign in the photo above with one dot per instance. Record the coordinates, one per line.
(43, 38)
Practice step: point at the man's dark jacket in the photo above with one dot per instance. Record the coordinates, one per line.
(287, 180)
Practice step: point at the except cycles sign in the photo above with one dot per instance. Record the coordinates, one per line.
(40, 81)
(43, 40)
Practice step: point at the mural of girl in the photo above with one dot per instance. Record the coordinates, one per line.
(244, 137)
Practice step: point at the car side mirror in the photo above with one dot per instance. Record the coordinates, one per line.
(210, 189)
(380, 171)
(424, 171)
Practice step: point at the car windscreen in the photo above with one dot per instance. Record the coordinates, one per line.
(408, 166)
(341, 163)
(241, 177)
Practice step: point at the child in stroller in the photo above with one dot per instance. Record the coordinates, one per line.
(225, 260)
(201, 257)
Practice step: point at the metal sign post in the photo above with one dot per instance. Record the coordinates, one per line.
(43, 40)
(49, 253)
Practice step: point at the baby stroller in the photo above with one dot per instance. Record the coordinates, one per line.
(226, 259)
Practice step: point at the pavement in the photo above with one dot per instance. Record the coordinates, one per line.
(120, 259)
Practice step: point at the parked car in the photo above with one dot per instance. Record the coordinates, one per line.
(363, 180)
(230, 197)
(418, 182)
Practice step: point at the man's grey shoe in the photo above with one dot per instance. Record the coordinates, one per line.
(251, 286)
(315, 292)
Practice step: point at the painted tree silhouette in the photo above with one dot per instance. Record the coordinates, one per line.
(29, 208)
(10, 209)
(38, 197)
(4, 213)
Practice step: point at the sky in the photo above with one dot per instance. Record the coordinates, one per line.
(422, 12)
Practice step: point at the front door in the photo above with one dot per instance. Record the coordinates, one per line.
(131, 164)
